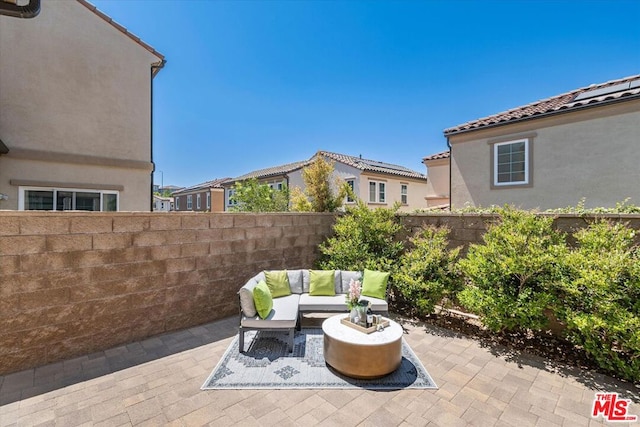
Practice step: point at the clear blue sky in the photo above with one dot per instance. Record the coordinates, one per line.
(254, 84)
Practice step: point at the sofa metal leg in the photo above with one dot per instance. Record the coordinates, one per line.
(241, 340)
(291, 332)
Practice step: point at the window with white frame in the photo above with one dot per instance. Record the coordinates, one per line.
(189, 202)
(65, 199)
(404, 199)
(275, 185)
(511, 163)
(352, 185)
(177, 202)
(377, 192)
(198, 202)
(231, 201)
(208, 200)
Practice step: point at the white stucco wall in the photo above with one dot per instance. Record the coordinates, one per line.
(71, 83)
(592, 154)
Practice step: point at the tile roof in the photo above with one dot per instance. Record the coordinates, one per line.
(373, 165)
(272, 171)
(594, 95)
(216, 183)
(437, 156)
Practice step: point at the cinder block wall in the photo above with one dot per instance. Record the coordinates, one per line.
(466, 229)
(75, 283)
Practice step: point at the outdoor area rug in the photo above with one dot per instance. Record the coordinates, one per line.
(267, 364)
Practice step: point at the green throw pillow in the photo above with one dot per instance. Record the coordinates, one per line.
(262, 299)
(278, 283)
(322, 282)
(374, 284)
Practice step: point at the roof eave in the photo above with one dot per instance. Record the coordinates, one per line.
(545, 114)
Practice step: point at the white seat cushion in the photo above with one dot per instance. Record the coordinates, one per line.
(323, 303)
(283, 315)
(377, 305)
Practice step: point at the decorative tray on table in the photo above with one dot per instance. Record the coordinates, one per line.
(345, 321)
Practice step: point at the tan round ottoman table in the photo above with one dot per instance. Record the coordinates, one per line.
(360, 355)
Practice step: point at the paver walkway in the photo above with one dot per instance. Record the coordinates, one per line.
(157, 382)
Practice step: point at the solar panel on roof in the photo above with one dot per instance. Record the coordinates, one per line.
(383, 165)
(602, 91)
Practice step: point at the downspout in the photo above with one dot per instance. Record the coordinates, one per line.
(155, 67)
(450, 161)
(31, 10)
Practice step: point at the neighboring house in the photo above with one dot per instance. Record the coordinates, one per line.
(205, 197)
(378, 184)
(277, 177)
(75, 111)
(162, 204)
(438, 191)
(552, 153)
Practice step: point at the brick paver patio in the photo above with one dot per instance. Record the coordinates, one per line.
(157, 382)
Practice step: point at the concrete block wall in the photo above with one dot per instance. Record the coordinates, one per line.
(75, 283)
(468, 228)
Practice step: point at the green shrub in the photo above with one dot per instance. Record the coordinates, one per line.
(511, 276)
(427, 272)
(601, 297)
(363, 238)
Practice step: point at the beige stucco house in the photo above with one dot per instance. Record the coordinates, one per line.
(552, 153)
(75, 111)
(438, 191)
(379, 184)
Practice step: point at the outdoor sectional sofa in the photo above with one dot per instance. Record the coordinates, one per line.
(287, 311)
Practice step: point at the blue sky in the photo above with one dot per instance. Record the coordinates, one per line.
(254, 84)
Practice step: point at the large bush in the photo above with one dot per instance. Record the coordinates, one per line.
(428, 273)
(601, 297)
(511, 275)
(363, 238)
(252, 196)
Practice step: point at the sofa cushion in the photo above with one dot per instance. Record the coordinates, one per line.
(262, 299)
(295, 281)
(278, 283)
(377, 305)
(374, 284)
(246, 298)
(283, 315)
(346, 279)
(322, 282)
(322, 303)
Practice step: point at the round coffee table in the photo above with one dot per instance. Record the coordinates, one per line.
(359, 355)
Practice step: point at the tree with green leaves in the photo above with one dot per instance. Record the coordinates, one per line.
(363, 238)
(252, 196)
(319, 194)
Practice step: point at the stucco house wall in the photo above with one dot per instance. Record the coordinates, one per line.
(438, 189)
(75, 105)
(592, 154)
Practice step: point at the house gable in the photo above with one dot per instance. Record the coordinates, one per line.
(580, 145)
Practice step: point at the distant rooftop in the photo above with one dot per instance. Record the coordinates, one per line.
(373, 165)
(272, 171)
(437, 156)
(594, 95)
(356, 162)
(216, 183)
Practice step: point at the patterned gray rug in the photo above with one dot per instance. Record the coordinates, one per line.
(268, 365)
